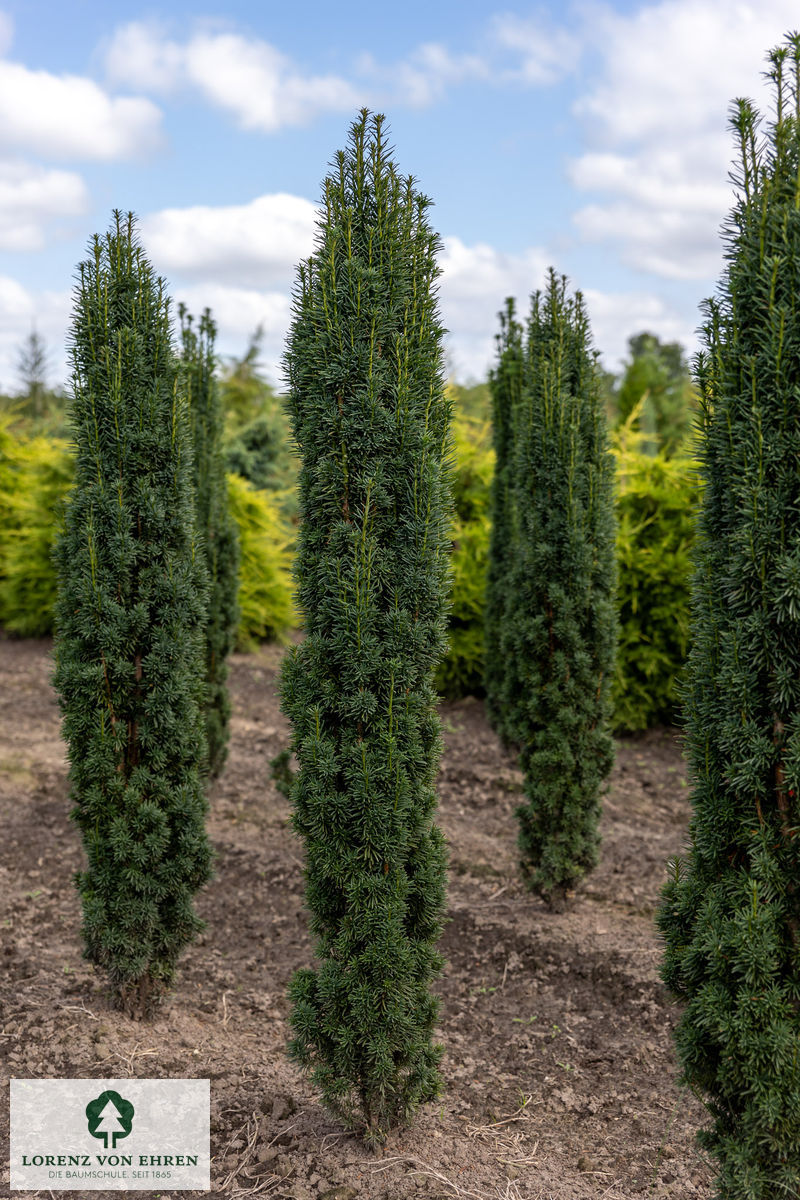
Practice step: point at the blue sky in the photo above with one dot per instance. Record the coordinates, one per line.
(590, 136)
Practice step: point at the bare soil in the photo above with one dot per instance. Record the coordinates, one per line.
(560, 1073)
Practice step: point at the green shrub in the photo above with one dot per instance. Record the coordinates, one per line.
(35, 477)
(130, 622)
(265, 581)
(461, 670)
(261, 454)
(559, 627)
(730, 912)
(216, 528)
(505, 387)
(657, 499)
(371, 420)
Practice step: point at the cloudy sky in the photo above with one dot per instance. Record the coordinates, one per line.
(591, 136)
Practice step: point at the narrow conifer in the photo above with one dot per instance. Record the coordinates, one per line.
(559, 627)
(730, 914)
(216, 529)
(130, 617)
(505, 383)
(371, 421)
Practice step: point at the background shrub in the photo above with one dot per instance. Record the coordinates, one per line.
(265, 564)
(657, 499)
(35, 476)
(461, 670)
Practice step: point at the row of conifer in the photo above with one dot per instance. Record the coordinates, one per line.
(139, 663)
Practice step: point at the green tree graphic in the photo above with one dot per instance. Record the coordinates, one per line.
(109, 1116)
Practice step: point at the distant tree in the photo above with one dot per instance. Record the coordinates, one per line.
(38, 407)
(130, 617)
(730, 914)
(371, 417)
(658, 375)
(32, 371)
(246, 393)
(216, 529)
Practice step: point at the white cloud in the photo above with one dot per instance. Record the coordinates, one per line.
(475, 281)
(32, 198)
(657, 121)
(547, 52)
(68, 116)
(249, 77)
(419, 80)
(237, 313)
(265, 90)
(615, 316)
(255, 244)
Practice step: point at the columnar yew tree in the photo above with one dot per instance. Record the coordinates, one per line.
(731, 911)
(130, 618)
(505, 383)
(216, 529)
(559, 627)
(371, 421)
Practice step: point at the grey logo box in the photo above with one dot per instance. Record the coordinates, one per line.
(110, 1135)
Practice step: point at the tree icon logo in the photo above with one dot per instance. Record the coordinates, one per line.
(110, 1117)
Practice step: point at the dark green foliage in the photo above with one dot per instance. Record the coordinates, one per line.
(216, 529)
(730, 913)
(130, 618)
(505, 384)
(370, 418)
(281, 772)
(657, 500)
(559, 627)
(258, 454)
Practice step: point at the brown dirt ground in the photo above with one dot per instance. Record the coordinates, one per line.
(560, 1074)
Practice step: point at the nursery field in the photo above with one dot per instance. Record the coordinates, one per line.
(558, 1060)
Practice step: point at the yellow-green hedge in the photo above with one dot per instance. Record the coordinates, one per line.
(35, 478)
(657, 499)
(265, 583)
(656, 503)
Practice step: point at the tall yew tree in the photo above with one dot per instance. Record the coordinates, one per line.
(130, 619)
(559, 627)
(371, 421)
(730, 914)
(505, 384)
(216, 529)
